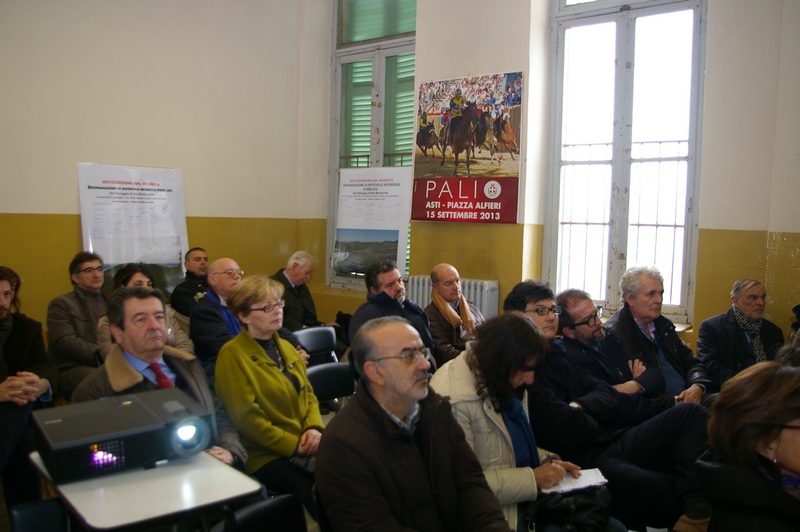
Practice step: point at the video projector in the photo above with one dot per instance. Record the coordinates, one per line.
(118, 433)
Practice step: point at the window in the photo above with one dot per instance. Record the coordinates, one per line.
(624, 129)
(374, 94)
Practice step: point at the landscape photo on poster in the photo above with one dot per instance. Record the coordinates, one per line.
(357, 248)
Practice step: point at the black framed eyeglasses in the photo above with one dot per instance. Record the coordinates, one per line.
(410, 358)
(591, 320)
(544, 311)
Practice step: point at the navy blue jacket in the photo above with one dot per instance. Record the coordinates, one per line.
(724, 349)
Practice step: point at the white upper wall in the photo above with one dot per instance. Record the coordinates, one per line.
(475, 38)
(234, 93)
(750, 125)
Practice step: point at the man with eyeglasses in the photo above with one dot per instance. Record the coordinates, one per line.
(599, 352)
(395, 457)
(212, 324)
(72, 322)
(646, 454)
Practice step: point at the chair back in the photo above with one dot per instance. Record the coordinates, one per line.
(320, 343)
(282, 513)
(37, 516)
(331, 381)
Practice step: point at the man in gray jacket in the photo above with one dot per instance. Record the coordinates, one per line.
(72, 322)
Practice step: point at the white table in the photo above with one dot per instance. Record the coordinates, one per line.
(179, 487)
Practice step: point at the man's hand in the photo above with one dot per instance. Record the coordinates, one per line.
(331, 324)
(692, 394)
(628, 387)
(636, 367)
(23, 388)
(309, 442)
(303, 354)
(223, 455)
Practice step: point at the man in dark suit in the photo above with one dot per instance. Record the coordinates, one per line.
(739, 338)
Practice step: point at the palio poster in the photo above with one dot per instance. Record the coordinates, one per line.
(466, 163)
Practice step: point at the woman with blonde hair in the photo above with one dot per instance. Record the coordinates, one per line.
(261, 380)
(752, 473)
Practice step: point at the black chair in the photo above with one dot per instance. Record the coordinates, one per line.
(282, 513)
(331, 381)
(320, 343)
(38, 516)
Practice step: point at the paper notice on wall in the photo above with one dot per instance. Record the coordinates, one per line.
(373, 217)
(134, 214)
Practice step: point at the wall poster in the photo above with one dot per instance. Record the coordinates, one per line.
(135, 214)
(466, 162)
(372, 221)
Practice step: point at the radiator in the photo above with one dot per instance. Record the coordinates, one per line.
(482, 293)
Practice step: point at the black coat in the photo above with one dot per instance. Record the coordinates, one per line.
(724, 349)
(382, 304)
(744, 500)
(681, 357)
(24, 350)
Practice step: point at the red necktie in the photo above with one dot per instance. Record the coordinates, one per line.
(161, 378)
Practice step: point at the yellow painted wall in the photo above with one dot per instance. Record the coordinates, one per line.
(724, 256)
(478, 251)
(40, 246)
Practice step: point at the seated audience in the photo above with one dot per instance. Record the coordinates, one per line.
(599, 352)
(646, 454)
(213, 324)
(453, 319)
(72, 323)
(395, 458)
(186, 295)
(486, 386)
(140, 361)
(730, 342)
(261, 380)
(28, 378)
(138, 274)
(752, 473)
(651, 337)
(387, 297)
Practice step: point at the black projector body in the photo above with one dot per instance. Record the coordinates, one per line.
(119, 433)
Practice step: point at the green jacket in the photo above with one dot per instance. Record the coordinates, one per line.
(268, 412)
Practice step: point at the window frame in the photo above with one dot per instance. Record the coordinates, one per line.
(562, 18)
(376, 50)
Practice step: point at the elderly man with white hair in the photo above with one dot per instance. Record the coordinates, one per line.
(652, 338)
(299, 311)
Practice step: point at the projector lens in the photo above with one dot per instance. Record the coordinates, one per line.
(187, 432)
(190, 436)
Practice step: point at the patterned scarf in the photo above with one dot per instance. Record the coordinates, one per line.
(456, 320)
(753, 330)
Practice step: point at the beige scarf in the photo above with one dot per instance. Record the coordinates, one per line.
(447, 311)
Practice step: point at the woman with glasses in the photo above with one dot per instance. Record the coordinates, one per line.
(138, 274)
(752, 473)
(486, 386)
(261, 380)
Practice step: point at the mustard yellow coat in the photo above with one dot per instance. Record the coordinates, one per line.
(268, 412)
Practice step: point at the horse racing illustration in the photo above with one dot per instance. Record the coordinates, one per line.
(469, 127)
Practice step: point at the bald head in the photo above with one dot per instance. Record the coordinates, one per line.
(223, 275)
(446, 282)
